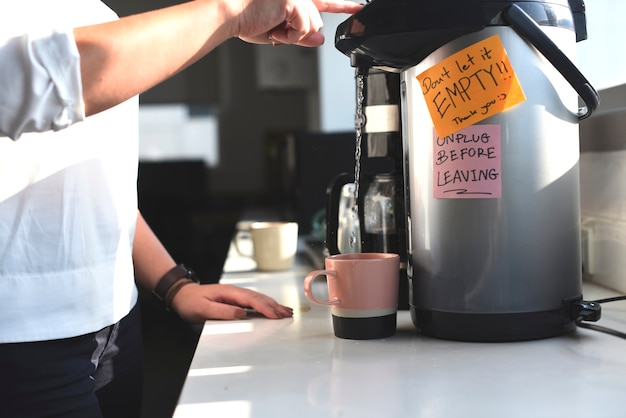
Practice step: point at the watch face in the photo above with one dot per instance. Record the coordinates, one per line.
(190, 274)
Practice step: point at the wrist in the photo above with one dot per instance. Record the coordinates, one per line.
(173, 291)
(225, 14)
(171, 282)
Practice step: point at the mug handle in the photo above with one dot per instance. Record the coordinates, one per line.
(243, 234)
(308, 291)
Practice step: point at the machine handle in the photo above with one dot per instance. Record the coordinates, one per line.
(527, 28)
(333, 192)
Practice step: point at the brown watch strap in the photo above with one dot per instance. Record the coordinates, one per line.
(172, 276)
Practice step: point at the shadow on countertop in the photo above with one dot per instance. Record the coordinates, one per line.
(196, 229)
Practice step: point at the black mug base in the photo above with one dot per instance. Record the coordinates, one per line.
(370, 328)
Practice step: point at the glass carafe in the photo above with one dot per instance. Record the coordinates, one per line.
(379, 216)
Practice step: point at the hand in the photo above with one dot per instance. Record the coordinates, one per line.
(197, 303)
(287, 21)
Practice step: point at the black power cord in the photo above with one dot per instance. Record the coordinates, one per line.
(590, 311)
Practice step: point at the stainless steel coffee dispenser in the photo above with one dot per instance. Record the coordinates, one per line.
(489, 110)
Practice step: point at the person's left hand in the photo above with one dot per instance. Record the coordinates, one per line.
(197, 303)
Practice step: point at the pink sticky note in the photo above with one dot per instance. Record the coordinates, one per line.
(467, 163)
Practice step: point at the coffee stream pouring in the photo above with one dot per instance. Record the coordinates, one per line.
(376, 222)
(488, 171)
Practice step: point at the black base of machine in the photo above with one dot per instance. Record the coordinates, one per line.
(365, 328)
(499, 327)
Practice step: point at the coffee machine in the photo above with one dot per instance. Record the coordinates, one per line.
(489, 125)
(376, 189)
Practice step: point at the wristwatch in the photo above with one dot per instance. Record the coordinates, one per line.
(172, 276)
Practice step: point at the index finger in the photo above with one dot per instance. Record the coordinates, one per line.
(337, 6)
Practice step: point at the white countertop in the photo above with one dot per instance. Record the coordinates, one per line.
(258, 368)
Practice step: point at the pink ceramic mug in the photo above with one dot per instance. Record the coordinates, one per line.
(362, 293)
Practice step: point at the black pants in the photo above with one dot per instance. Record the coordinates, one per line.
(96, 375)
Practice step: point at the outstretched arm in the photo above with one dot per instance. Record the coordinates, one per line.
(123, 58)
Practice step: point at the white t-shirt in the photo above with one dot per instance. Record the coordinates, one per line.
(68, 202)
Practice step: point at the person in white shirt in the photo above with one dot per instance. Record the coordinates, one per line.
(73, 245)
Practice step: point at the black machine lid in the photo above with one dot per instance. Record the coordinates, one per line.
(398, 34)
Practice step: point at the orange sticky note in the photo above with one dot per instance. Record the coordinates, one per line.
(470, 85)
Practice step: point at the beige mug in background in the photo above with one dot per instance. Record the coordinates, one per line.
(274, 244)
(362, 293)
